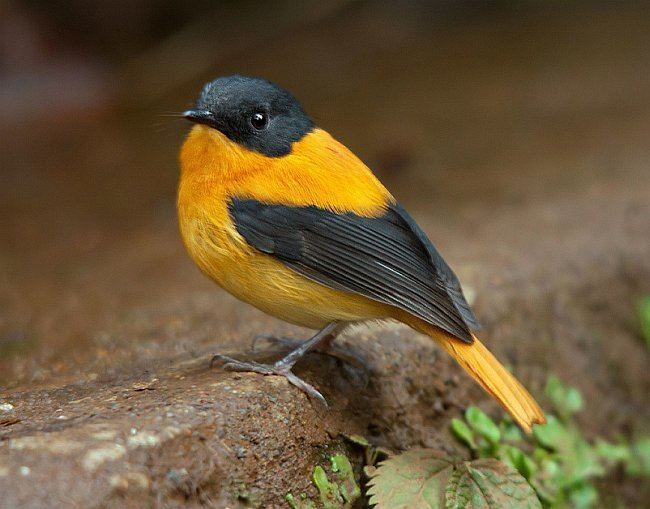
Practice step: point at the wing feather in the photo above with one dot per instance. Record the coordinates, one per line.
(388, 259)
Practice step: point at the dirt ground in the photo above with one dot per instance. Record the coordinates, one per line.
(520, 144)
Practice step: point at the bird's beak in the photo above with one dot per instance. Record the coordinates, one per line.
(200, 116)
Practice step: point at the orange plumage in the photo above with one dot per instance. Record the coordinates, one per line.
(316, 172)
(210, 165)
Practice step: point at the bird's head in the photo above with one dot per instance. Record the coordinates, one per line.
(253, 113)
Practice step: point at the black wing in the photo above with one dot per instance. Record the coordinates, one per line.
(443, 271)
(388, 259)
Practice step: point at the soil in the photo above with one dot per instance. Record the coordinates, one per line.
(532, 180)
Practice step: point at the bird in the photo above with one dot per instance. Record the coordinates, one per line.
(286, 218)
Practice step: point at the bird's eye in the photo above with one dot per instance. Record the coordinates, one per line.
(259, 120)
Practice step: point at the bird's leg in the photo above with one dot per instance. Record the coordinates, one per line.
(327, 347)
(283, 366)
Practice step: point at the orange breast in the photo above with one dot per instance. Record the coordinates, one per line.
(319, 171)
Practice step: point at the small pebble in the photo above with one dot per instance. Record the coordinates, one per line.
(177, 476)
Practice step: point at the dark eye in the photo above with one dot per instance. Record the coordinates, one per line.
(259, 120)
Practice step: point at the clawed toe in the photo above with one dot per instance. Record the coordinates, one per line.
(218, 357)
(245, 366)
(231, 364)
(278, 368)
(309, 389)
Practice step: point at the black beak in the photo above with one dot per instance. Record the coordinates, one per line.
(200, 117)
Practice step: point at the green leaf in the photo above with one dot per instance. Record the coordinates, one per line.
(510, 432)
(348, 486)
(378, 454)
(583, 496)
(572, 400)
(551, 434)
(372, 453)
(567, 401)
(640, 461)
(644, 318)
(463, 433)
(291, 500)
(516, 458)
(357, 440)
(551, 468)
(613, 453)
(548, 496)
(302, 503)
(329, 492)
(426, 479)
(582, 462)
(577, 459)
(483, 425)
(554, 389)
(540, 454)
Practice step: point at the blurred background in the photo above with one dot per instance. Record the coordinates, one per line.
(517, 133)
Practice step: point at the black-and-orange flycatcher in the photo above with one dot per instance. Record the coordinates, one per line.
(286, 218)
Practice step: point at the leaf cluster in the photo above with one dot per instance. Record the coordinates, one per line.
(559, 463)
(339, 493)
(555, 468)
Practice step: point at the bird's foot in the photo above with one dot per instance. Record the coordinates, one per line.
(280, 368)
(326, 347)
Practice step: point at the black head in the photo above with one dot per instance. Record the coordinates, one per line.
(253, 112)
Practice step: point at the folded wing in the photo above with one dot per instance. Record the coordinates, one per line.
(388, 258)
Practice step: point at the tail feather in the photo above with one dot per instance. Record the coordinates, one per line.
(479, 362)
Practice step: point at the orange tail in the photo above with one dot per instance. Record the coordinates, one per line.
(477, 360)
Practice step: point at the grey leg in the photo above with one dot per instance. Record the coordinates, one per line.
(327, 346)
(284, 365)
